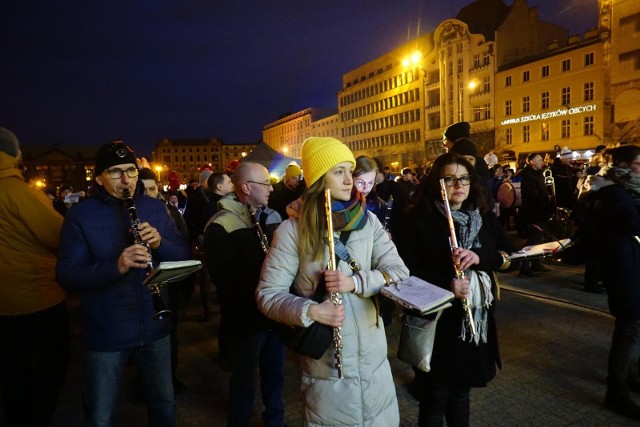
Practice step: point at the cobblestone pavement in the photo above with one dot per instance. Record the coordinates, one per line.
(554, 341)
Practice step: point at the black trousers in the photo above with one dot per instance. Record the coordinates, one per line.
(442, 401)
(33, 362)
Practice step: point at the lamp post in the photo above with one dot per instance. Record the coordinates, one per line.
(159, 172)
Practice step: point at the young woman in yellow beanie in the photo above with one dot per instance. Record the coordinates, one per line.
(365, 396)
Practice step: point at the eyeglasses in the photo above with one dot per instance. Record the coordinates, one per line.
(452, 181)
(363, 184)
(264, 184)
(116, 173)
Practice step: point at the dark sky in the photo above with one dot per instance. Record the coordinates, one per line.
(86, 72)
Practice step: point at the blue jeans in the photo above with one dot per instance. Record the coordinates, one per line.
(102, 375)
(247, 354)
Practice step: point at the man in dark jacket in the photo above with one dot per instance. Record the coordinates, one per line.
(234, 257)
(287, 190)
(100, 260)
(535, 211)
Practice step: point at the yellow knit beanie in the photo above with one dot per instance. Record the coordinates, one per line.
(321, 154)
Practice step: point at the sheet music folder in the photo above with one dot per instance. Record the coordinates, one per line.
(418, 295)
(171, 271)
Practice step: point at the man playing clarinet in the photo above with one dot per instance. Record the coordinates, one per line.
(100, 260)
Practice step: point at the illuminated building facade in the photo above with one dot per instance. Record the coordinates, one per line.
(381, 105)
(619, 26)
(58, 166)
(187, 157)
(287, 134)
(556, 98)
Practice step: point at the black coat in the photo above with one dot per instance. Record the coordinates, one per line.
(617, 220)
(536, 203)
(423, 244)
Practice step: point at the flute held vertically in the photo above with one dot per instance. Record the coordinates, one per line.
(335, 297)
(453, 243)
(160, 310)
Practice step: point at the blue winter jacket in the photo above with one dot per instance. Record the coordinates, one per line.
(117, 311)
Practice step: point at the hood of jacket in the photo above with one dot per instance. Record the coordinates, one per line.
(9, 166)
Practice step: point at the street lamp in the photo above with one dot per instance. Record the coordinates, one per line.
(472, 85)
(159, 172)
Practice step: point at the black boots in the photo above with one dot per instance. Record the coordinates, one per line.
(619, 400)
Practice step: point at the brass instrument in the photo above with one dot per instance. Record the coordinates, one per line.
(387, 215)
(264, 241)
(335, 297)
(453, 243)
(160, 310)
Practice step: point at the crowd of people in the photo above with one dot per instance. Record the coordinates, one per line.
(266, 251)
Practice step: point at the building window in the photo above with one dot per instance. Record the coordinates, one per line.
(526, 133)
(566, 96)
(588, 91)
(459, 65)
(476, 60)
(566, 65)
(525, 76)
(487, 111)
(477, 113)
(507, 108)
(508, 136)
(565, 129)
(486, 84)
(544, 98)
(507, 81)
(545, 71)
(485, 57)
(544, 131)
(526, 105)
(588, 125)
(588, 59)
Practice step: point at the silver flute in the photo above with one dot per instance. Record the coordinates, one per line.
(453, 243)
(335, 297)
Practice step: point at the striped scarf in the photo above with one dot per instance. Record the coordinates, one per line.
(349, 215)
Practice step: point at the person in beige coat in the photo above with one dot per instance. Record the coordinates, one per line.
(365, 396)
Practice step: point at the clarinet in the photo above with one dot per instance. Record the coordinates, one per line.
(264, 241)
(160, 310)
(387, 215)
(453, 243)
(335, 297)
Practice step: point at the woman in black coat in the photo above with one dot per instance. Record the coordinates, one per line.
(616, 219)
(460, 361)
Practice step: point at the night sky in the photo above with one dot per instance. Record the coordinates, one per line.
(77, 73)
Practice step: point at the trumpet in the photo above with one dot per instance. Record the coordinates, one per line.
(335, 297)
(264, 241)
(160, 310)
(453, 243)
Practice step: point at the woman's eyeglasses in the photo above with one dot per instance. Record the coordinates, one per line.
(451, 181)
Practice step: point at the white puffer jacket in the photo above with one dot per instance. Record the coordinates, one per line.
(366, 396)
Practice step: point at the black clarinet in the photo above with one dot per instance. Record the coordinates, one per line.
(160, 310)
(264, 241)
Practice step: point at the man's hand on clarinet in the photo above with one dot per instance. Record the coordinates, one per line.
(460, 287)
(134, 256)
(336, 281)
(149, 235)
(465, 258)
